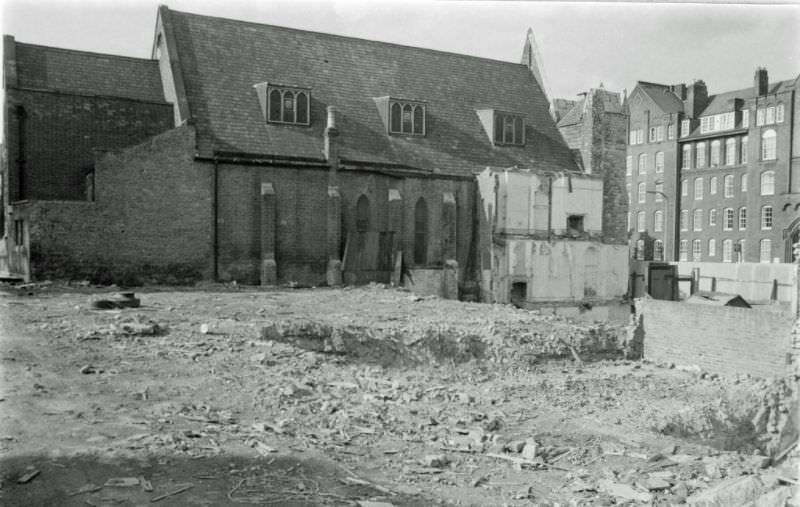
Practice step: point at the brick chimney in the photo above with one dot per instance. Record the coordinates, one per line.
(760, 82)
(696, 98)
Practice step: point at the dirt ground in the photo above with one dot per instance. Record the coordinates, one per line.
(369, 396)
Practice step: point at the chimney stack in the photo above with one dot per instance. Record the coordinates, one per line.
(760, 82)
(696, 98)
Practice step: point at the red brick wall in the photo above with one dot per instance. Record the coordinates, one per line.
(151, 218)
(62, 130)
(301, 208)
(723, 340)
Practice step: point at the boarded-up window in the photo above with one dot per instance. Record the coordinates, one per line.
(421, 232)
(591, 271)
(362, 214)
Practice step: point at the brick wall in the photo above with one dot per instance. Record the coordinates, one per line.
(301, 208)
(723, 340)
(151, 218)
(60, 132)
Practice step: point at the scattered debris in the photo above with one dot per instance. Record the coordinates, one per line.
(28, 476)
(117, 301)
(178, 490)
(122, 482)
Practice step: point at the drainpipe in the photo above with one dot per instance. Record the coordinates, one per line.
(549, 207)
(214, 232)
(21, 161)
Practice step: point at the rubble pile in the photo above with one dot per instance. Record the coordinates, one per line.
(472, 404)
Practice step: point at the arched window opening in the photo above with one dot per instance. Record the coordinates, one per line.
(362, 214)
(302, 108)
(275, 105)
(396, 117)
(288, 107)
(419, 120)
(421, 232)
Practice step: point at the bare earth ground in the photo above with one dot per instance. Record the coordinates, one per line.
(209, 401)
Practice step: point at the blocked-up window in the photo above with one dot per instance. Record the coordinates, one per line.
(712, 247)
(421, 232)
(684, 220)
(362, 214)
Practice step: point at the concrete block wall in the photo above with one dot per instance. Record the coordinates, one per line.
(754, 281)
(724, 340)
(60, 132)
(151, 217)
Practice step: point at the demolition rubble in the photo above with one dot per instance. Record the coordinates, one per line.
(367, 397)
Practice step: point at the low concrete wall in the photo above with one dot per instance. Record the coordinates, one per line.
(718, 339)
(755, 282)
(752, 280)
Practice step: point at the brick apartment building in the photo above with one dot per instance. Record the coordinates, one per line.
(258, 153)
(714, 178)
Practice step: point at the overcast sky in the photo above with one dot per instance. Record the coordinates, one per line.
(582, 44)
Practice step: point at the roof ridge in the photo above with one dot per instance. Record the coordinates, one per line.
(349, 37)
(92, 53)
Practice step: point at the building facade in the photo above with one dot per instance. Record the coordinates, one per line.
(714, 178)
(273, 155)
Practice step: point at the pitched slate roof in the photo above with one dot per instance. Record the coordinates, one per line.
(221, 59)
(574, 115)
(664, 98)
(72, 71)
(721, 102)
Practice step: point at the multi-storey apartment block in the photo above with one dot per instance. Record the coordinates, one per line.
(714, 178)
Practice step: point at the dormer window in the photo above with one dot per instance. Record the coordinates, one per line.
(288, 105)
(508, 129)
(406, 117)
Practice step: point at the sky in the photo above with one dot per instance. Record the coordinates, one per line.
(582, 44)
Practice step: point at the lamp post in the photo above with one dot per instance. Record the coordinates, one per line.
(664, 224)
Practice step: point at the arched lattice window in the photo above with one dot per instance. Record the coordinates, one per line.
(396, 117)
(419, 119)
(362, 214)
(275, 105)
(406, 117)
(302, 108)
(421, 232)
(288, 105)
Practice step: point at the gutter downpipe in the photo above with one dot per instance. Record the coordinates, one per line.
(214, 232)
(549, 207)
